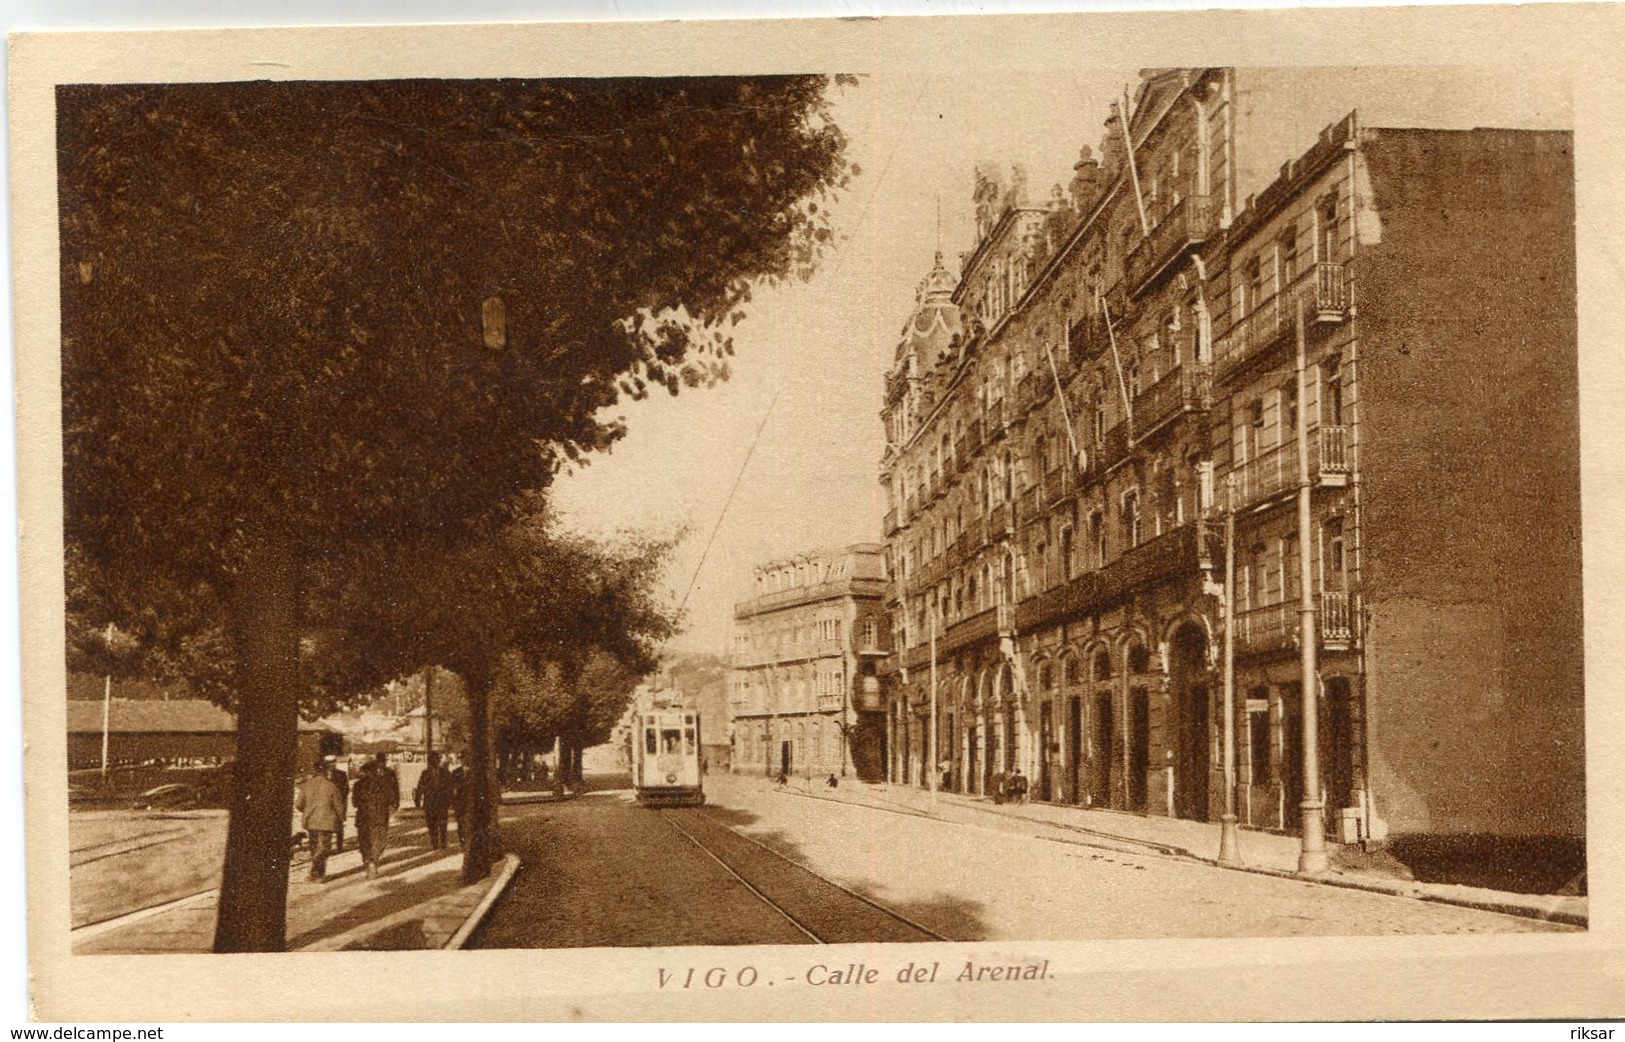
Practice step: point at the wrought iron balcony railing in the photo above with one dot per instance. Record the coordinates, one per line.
(1322, 290)
(1275, 627)
(1188, 224)
(1182, 389)
(1276, 470)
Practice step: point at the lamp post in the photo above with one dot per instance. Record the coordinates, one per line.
(107, 704)
(931, 742)
(1229, 850)
(1312, 855)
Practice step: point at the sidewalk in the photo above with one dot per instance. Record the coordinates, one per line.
(1262, 852)
(417, 902)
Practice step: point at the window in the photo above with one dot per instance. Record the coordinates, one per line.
(1131, 518)
(1258, 741)
(1333, 571)
(1331, 406)
(1099, 426)
(1074, 670)
(1097, 538)
(1041, 551)
(1066, 552)
(1252, 286)
(1046, 677)
(1131, 376)
(1289, 255)
(1326, 242)
(1103, 665)
(871, 633)
(1139, 659)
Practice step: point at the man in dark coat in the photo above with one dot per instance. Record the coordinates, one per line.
(459, 796)
(433, 794)
(376, 795)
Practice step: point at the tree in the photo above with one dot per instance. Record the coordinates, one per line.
(282, 360)
(519, 615)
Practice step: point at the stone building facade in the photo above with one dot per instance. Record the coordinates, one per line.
(804, 686)
(1115, 368)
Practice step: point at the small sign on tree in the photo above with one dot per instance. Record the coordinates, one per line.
(495, 319)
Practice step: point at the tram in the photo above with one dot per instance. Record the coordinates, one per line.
(666, 758)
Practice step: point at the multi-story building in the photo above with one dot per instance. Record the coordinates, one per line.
(804, 689)
(1070, 419)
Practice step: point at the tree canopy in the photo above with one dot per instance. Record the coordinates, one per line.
(272, 293)
(313, 333)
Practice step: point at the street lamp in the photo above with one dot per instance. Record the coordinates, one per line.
(1229, 848)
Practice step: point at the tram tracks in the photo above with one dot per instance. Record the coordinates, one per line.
(823, 910)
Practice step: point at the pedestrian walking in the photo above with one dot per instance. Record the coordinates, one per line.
(433, 794)
(319, 801)
(341, 779)
(377, 795)
(459, 791)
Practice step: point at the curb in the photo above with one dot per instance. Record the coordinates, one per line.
(510, 865)
(118, 922)
(1345, 882)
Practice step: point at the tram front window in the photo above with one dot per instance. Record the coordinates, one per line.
(688, 741)
(649, 741)
(669, 740)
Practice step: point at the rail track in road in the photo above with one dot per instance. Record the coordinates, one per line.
(824, 910)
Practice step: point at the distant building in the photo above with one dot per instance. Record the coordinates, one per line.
(168, 731)
(804, 693)
(1066, 415)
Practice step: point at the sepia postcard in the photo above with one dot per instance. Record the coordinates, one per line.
(1092, 516)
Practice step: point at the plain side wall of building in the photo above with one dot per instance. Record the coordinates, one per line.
(1469, 457)
(1279, 112)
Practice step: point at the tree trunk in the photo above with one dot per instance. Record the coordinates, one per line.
(253, 906)
(484, 843)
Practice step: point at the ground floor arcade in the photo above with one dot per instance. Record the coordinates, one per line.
(1126, 712)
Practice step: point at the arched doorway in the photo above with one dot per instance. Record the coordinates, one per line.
(1138, 749)
(1102, 728)
(1338, 745)
(1189, 695)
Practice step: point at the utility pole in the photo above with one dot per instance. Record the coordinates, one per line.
(1229, 849)
(1312, 856)
(931, 767)
(107, 703)
(428, 712)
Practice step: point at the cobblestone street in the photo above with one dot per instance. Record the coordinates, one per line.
(602, 871)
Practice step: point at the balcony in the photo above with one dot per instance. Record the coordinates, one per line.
(1032, 503)
(968, 631)
(1056, 485)
(1173, 553)
(1323, 291)
(1276, 471)
(1188, 224)
(1001, 522)
(1024, 394)
(1182, 389)
(1274, 627)
(1113, 450)
(993, 419)
(889, 525)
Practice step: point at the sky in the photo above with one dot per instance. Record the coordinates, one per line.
(811, 358)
